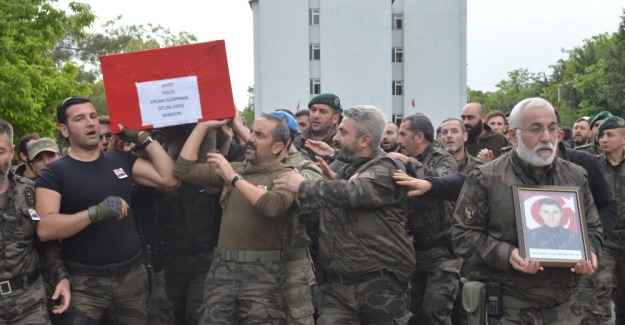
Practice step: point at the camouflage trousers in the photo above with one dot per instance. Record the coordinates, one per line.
(25, 306)
(567, 313)
(185, 278)
(161, 310)
(586, 296)
(434, 286)
(124, 297)
(611, 278)
(381, 300)
(299, 280)
(243, 293)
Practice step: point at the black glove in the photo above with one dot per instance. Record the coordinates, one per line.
(111, 207)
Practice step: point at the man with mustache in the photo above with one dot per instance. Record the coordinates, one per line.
(581, 132)
(453, 136)
(389, 140)
(324, 116)
(484, 223)
(593, 143)
(364, 249)
(246, 279)
(480, 135)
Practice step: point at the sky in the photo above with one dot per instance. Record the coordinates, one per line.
(502, 35)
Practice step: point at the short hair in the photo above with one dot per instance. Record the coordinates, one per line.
(104, 119)
(420, 123)
(581, 119)
(6, 128)
(61, 112)
(517, 111)
(457, 120)
(438, 131)
(22, 146)
(281, 131)
(548, 201)
(302, 112)
(494, 113)
(567, 132)
(369, 120)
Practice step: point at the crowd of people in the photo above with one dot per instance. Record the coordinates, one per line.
(328, 215)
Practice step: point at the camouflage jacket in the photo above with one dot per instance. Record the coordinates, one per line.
(484, 227)
(20, 250)
(301, 138)
(469, 162)
(489, 139)
(362, 230)
(427, 215)
(590, 148)
(615, 176)
(292, 231)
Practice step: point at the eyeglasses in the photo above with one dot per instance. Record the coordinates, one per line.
(536, 131)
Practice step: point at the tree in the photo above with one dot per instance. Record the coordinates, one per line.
(615, 73)
(31, 84)
(248, 110)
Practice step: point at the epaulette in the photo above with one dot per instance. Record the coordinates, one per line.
(25, 180)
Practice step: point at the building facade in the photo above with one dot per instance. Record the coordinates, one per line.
(402, 56)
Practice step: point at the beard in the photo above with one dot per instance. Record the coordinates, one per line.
(474, 131)
(391, 147)
(531, 157)
(346, 153)
(579, 141)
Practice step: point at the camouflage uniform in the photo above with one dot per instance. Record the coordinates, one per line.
(299, 277)
(364, 248)
(458, 314)
(484, 229)
(435, 281)
(22, 295)
(189, 223)
(590, 148)
(611, 272)
(301, 138)
(489, 139)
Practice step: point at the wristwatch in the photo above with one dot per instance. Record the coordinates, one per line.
(145, 143)
(236, 177)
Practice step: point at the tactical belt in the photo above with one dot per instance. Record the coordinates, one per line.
(426, 242)
(241, 256)
(18, 282)
(355, 279)
(516, 303)
(295, 255)
(75, 268)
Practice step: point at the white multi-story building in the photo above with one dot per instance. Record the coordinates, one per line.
(402, 56)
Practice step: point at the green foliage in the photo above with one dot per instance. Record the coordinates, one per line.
(31, 84)
(248, 110)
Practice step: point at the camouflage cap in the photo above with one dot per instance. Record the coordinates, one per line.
(287, 118)
(612, 122)
(44, 144)
(329, 99)
(601, 116)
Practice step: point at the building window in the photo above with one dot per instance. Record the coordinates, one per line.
(398, 87)
(313, 17)
(398, 54)
(398, 21)
(397, 118)
(315, 52)
(315, 86)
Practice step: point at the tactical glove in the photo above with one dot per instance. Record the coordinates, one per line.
(111, 207)
(130, 135)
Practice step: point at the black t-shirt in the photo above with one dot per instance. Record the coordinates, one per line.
(83, 184)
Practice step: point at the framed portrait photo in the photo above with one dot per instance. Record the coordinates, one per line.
(551, 225)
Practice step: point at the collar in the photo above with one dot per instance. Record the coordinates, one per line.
(429, 149)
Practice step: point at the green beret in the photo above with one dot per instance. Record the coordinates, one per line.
(601, 116)
(329, 99)
(612, 122)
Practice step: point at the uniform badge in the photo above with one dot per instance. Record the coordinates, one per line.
(262, 187)
(468, 212)
(120, 173)
(431, 163)
(30, 197)
(33, 214)
(621, 122)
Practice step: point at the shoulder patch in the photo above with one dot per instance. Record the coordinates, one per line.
(468, 212)
(431, 163)
(29, 195)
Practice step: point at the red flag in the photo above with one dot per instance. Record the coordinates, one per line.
(412, 103)
(297, 109)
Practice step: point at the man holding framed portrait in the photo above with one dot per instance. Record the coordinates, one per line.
(523, 289)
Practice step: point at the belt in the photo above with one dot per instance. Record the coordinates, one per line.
(355, 279)
(112, 269)
(18, 282)
(295, 255)
(516, 303)
(426, 242)
(241, 256)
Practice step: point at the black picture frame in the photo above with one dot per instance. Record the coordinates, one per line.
(555, 244)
